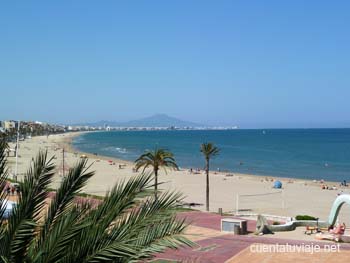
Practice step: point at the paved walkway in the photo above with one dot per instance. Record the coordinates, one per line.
(215, 246)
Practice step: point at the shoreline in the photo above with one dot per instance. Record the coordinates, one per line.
(68, 145)
(224, 189)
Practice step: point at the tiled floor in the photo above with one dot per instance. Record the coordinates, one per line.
(215, 246)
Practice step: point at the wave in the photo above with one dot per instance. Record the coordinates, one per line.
(311, 154)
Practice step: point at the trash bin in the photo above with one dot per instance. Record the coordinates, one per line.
(229, 224)
(236, 229)
(244, 227)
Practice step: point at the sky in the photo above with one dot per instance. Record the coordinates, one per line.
(248, 63)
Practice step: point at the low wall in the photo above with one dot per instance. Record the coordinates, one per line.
(290, 226)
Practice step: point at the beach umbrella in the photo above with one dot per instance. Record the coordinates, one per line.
(277, 184)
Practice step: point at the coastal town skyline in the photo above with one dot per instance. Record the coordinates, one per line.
(154, 122)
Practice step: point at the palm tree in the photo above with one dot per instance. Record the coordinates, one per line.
(208, 150)
(128, 225)
(159, 158)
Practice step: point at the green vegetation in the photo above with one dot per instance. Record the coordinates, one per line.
(305, 217)
(159, 158)
(208, 150)
(130, 225)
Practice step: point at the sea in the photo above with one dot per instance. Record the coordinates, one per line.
(293, 153)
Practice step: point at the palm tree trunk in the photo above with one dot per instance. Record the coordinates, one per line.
(156, 184)
(207, 190)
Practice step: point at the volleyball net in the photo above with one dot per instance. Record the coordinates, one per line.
(270, 202)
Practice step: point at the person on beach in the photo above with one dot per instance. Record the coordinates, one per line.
(343, 183)
(339, 229)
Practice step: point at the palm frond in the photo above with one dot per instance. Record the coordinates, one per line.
(159, 158)
(23, 221)
(56, 242)
(154, 221)
(116, 204)
(63, 200)
(129, 225)
(147, 229)
(209, 150)
(3, 178)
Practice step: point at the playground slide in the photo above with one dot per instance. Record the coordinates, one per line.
(263, 227)
(338, 203)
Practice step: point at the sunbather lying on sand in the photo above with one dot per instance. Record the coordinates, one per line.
(339, 229)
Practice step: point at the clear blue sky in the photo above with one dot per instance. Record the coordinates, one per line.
(252, 63)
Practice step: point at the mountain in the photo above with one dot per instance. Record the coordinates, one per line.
(158, 120)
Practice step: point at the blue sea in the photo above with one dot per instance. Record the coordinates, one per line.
(298, 153)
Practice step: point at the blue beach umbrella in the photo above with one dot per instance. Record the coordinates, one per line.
(277, 184)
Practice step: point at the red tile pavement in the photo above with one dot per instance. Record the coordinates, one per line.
(212, 221)
(218, 249)
(221, 248)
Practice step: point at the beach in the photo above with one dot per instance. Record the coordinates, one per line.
(256, 194)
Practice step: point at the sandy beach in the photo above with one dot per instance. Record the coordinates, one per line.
(298, 197)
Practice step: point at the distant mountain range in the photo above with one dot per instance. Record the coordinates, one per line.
(158, 120)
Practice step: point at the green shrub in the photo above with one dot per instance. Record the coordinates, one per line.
(305, 217)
